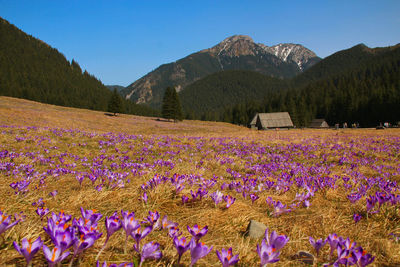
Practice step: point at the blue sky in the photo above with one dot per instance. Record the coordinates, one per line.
(119, 40)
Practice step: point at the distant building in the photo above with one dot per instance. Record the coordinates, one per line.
(264, 121)
(319, 123)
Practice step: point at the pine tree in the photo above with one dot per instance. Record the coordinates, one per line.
(177, 106)
(171, 107)
(167, 111)
(115, 103)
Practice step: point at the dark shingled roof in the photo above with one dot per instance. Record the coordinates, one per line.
(319, 123)
(272, 120)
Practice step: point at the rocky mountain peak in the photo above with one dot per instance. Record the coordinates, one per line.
(236, 38)
(291, 52)
(237, 52)
(234, 46)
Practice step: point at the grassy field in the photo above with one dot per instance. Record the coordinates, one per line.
(322, 178)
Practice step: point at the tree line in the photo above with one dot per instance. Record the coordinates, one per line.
(367, 92)
(31, 69)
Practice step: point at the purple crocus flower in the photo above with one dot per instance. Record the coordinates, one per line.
(306, 203)
(129, 224)
(150, 251)
(216, 197)
(80, 179)
(39, 203)
(5, 222)
(317, 244)
(343, 256)
(196, 232)
(61, 218)
(54, 256)
(194, 195)
(267, 253)
(152, 219)
(333, 241)
(179, 188)
(198, 251)
(83, 243)
(348, 244)
(226, 257)
(90, 216)
(42, 211)
(382, 197)
(139, 235)
(253, 197)
(357, 217)
(166, 224)
(371, 201)
(354, 197)
(53, 193)
(185, 199)
(145, 198)
(269, 201)
(28, 248)
(361, 258)
(174, 232)
(229, 200)
(275, 240)
(181, 246)
(279, 209)
(64, 239)
(113, 224)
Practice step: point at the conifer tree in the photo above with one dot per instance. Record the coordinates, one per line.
(177, 106)
(115, 103)
(167, 106)
(171, 107)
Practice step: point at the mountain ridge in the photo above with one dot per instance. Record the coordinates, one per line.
(359, 84)
(238, 52)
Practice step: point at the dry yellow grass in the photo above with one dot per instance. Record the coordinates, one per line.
(330, 211)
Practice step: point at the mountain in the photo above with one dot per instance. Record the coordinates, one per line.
(31, 69)
(359, 84)
(342, 62)
(238, 52)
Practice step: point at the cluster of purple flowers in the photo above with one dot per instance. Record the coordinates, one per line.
(251, 169)
(348, 253)
(5, 221)
(270, 247)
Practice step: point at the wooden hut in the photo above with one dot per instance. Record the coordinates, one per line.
(264, 121)
(319, 124)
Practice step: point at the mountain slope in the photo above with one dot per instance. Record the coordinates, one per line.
(359, 84)
(342, 62)
(238, 52)
(223, 89)
(31, 69)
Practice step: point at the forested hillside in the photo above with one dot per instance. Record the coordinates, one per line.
(208, 97)
(355, 85)
(31, 69)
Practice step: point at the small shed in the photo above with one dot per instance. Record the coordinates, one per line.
(319, 123)
(263, 121)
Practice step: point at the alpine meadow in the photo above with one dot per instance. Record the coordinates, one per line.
(176, 141)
